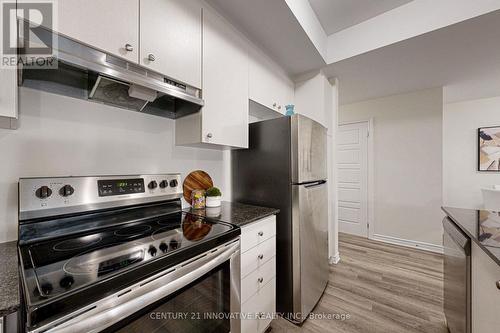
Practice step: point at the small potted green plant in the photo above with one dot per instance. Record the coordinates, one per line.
(213, 196)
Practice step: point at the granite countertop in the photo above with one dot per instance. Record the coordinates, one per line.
(235, 213)
(9, 279)
(482, 226)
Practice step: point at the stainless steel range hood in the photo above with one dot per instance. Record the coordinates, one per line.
(88, 73)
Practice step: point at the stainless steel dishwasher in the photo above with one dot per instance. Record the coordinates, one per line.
(457, 278)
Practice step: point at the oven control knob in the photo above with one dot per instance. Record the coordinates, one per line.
(163, 184)
(173, 183)
(152, 185)
(43, 192)
(152, 251)
(163, 247)
(67, 281)
(46, 288)
(67, 190)
(174, 244)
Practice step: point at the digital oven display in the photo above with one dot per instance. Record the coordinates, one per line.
(110, 187)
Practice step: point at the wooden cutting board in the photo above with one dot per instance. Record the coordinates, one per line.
(196, 180)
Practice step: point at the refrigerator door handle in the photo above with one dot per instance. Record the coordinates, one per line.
(318, 183)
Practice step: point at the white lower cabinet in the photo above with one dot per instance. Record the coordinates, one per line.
(485, 292)
(258, 275)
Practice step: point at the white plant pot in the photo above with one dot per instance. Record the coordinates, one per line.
(213, 201)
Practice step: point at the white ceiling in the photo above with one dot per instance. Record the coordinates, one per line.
(336, 15)
(464, 58)
(275, 29)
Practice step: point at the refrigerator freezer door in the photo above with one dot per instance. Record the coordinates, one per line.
(308, 150)
(310, 245)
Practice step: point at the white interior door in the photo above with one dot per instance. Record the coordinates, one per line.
(352, 163)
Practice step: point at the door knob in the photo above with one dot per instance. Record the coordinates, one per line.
(151, 57)
(129, 47)
(498, 284)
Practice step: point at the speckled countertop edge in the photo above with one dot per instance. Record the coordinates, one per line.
(235, 213)
(9, 278)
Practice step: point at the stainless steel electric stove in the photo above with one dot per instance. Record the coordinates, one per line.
(103, 253)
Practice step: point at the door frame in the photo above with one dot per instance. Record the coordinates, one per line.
(371, 174)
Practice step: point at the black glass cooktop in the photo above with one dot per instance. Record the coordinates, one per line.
(63, 265)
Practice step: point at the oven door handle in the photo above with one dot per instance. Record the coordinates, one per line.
(115, 308)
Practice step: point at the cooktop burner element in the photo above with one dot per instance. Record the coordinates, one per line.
(132, 231)
(78, 243)
(102, 239)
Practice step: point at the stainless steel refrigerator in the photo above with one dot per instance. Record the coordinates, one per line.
(285, 167)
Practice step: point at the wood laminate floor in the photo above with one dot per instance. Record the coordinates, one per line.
(383, 288)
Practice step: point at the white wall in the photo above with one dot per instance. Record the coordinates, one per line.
(462, 182)
(60, 136)
(407, 165)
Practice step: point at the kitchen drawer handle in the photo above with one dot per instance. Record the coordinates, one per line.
(151, 57)
(261, 256)
(210, 135)
(261, 233)
(498, 284)
(260, 280)
(129, 47)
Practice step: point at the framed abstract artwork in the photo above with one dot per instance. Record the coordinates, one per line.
(489, 149)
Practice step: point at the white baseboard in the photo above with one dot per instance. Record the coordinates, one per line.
(334, 259)
(409, 243)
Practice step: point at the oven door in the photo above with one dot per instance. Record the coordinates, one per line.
(196, 296)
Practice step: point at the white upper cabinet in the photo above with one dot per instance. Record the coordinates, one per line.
(225, 83)
(170, 33)
(110, 25)
(8, 98)
(223, 121)
(268, 85)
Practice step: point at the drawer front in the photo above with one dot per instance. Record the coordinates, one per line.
(255, 281)
(258, 311)
(257, 256)
(257, 233)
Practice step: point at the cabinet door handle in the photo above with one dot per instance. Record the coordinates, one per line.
(151, 57)
(261, 256)
(129, 48)
(498, 284)
(261, 233)
(209, 135)
(260, 280)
